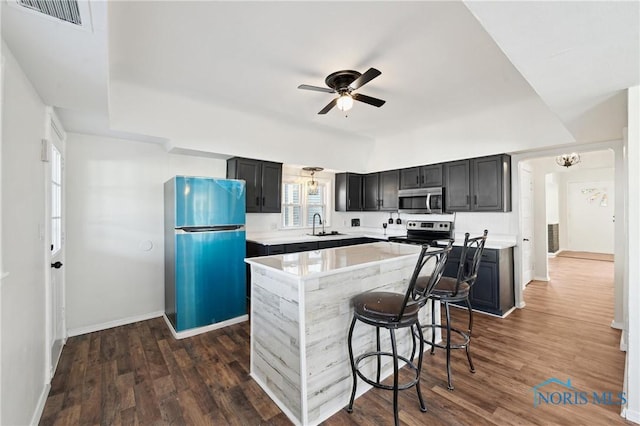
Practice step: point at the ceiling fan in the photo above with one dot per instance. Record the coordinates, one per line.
(344, 83)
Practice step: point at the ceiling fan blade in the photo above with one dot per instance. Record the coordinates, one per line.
(364, 78)
(368, 99)
(329, 106)
(316, 88)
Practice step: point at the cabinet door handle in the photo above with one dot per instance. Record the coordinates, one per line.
(263, 201)
(348, 202)
(475, 200)
(381, 203)
(468, 199)
(257, 201)
(422, 179)
(525, 239)
(417, 180)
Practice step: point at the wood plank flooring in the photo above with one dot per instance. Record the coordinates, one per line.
(139, 375)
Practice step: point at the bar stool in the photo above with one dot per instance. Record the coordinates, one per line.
(394, 311)
(449, 290)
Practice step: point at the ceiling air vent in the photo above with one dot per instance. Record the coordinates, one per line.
(65, 10)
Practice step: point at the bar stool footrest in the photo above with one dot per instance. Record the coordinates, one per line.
(379, 385)
(465, 337)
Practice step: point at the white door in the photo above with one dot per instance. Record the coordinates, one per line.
(590, 212)
(55, 238)
(526, 217)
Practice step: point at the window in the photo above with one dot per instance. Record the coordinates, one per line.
(298, 207)
(56, 200)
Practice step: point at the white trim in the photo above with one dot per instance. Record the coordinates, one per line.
(631, 415)
(199, 330)
(115, 323)
(545, 279)
(617, 325)
(37, 413)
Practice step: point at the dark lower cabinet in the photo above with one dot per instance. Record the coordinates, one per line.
(493, 289)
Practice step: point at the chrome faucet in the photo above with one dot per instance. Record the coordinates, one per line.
(319, 223)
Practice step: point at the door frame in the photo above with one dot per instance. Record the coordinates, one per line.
(531, 235)
(52, 124)
(621, 237)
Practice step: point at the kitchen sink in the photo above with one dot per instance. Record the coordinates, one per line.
(326, 234)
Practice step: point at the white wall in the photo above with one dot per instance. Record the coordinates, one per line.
(584, 225)
(23, 310)
(552, 198)
(633, 290)
(114, 208)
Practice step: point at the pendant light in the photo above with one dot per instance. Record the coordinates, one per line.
(312, 185)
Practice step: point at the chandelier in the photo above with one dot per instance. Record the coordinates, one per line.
(568, 160)
(312, 185)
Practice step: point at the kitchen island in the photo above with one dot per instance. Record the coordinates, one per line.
(300, 315)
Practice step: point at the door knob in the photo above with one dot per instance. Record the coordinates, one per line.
(56, 265)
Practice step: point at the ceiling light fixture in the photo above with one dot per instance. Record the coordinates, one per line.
(568, 160)
(312, 185)
(345, 102)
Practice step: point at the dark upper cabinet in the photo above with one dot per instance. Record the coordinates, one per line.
(370, 191)
(491, 189)
(348, 192)
(431, 176)
(421, 177)
(478, 184)
(388, 190)
(264, 181)
(457, 186)
(380, 191)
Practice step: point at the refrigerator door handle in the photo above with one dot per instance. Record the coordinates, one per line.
(209, 228)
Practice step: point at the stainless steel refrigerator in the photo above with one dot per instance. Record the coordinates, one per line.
(205, 279)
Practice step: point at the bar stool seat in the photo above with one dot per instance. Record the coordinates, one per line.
(393, 311)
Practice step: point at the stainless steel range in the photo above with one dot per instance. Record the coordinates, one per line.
(425, 231)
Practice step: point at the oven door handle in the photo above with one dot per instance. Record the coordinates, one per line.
(429, 203)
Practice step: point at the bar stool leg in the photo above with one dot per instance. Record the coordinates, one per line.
(433, 326)
(423, 407)
(394, 350)
(353, 366)
(446, 309)
(379, 357)
(466, 348)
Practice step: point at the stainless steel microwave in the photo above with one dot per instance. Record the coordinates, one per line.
(421, 200)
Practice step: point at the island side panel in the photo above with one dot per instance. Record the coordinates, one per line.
(275, 337)
(328, 314)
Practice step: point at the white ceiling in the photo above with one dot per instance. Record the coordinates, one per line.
(439, 60)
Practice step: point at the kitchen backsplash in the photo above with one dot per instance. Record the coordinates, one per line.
(496, 223)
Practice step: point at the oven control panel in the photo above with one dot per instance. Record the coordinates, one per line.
(424, 225)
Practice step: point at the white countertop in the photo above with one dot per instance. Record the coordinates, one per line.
(326, 261)
(288, 237)
(497, 241)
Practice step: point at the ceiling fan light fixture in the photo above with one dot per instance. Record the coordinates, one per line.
(345, 102)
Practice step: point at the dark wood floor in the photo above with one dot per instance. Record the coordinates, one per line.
(138, 374)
